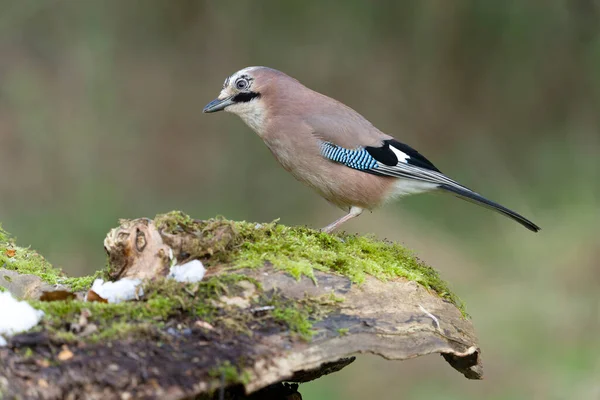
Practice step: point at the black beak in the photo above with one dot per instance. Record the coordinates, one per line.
(218, 105)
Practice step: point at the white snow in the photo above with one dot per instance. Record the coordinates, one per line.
(118, 291)
(128, 289)
(190, 272)
(16, 316)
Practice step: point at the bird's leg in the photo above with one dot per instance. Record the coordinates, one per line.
(354, 212)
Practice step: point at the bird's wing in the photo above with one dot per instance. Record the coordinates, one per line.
(396, 159)
(348, 138)
(391, 158)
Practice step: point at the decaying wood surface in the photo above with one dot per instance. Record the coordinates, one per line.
(397, 320)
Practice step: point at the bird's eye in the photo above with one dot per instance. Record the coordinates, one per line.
(241, 84)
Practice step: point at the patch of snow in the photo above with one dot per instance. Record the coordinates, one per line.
(16, 316)
(189, 272)
(122, 290)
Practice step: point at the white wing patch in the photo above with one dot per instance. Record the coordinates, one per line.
(402, 156)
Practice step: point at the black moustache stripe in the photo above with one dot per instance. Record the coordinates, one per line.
(245, 97)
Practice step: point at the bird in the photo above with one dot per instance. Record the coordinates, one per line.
(332, 148)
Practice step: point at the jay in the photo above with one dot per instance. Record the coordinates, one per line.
(332, 148)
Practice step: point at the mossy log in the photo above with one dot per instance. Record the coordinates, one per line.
(277, 305)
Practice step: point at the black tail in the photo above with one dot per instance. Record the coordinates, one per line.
(482, 201)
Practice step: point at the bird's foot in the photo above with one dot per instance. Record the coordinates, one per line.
(354, 212)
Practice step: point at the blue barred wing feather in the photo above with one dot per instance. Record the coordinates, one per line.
(392, 158)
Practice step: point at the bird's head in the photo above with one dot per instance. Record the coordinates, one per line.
(247, 93)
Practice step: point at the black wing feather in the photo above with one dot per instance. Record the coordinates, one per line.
(416, 158)
(383, 154)
(386, 156)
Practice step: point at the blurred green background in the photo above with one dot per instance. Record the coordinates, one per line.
(100, 119)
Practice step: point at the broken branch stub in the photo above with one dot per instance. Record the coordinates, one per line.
(136, 250)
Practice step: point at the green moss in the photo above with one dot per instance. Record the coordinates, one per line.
(122, 329)
(175, 221)
(27, 261)
(81, 283)
(343, 331)
(297, 319)
(111, 319)
(3, 235)
(230, 374)
(215, 238)
(166, 299)
(163, 299)
(299, 251)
